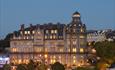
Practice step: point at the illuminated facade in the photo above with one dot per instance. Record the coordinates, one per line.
(97, 35)
(51, 43)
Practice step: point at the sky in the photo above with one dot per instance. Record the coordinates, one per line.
(96, 14)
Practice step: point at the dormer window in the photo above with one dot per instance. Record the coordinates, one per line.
(33, 32)
(47, 31)
(52, 31)
(81, 30)
(55, 31)
(25, 32)
(21, 32)
(28, 32)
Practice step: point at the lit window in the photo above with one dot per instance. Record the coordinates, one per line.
(54, 36)
(40, 55)
(74, 30)
(54, 61)
(14, 50)
(19, 61)
(33, 32)
(68, 50)
(81, 30)
(81, 36)
(89, 43)
(61, 50)
(59, 57)
(60, 36)
(24, 37)
(81, 50)
(46, 49)
(54, 57)
(51, 61)
(74, 24)
(45, 55)
(52, 31)
(38, 49)
(74, 57)
(51, 37)
(21, 32)
(55, 31)
(32, 37)
(47, 31)
(76, 15)
(74, 50)
(28, 32)
(74, 61)
(68, 42)
(46, 37)
(93, 51)
(27, 37)
(25, 32)
(38, 32)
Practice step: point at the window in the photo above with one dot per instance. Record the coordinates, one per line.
(74, 61)
(32, 37)
(61, 50)
(81, 30)
(52, 31)
(25, 32)
(55, 31)
(93, 51)
(81, 36)
(21, 32)
(81, 50)
(54, 56)
(74, 30)
(68, 50)
(59, 57)
(28, 32)
(46, 37)
(27, 37)
(45, 55)
(74, 50)
(14, 50)
(38, 32)
(50, 36)
(33, 32)
(74, 57)
(47, 31)
(54, 36)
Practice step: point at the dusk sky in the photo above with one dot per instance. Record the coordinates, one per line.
(96, 14)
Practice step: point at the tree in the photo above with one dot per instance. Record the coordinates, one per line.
(106, 51)
(31, 65)
(42, 66)
(85, 68)
(57, 66)
(6, 67)
(21, 67)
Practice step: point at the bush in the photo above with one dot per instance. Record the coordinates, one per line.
(6, 67)
(21, 67)
(85, 68)
(57, 66)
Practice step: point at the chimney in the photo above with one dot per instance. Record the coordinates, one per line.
(31, 27)
(22, 27)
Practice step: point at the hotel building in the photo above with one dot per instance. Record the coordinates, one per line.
(65, 43)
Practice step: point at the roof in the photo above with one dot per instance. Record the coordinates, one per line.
(76, 13)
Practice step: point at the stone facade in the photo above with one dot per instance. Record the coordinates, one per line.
(51, 43)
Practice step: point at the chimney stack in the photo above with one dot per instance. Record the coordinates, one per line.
(22, 27)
